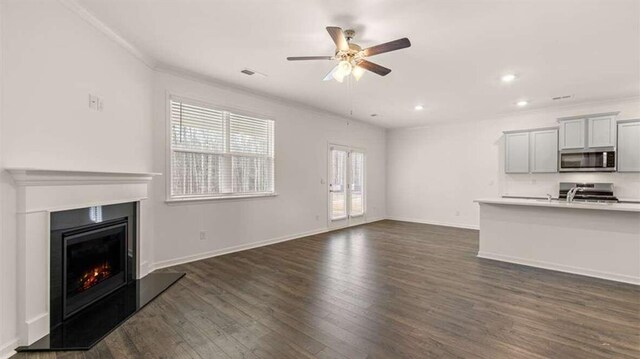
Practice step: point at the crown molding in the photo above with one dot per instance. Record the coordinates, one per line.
(87, 16)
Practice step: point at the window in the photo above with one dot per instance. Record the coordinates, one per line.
(219, 154)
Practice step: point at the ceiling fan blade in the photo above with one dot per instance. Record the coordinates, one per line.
(338, 37)
(330, 74)
(303, 58)
(387, 46)
(375, 68)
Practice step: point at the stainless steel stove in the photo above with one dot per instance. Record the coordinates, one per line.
(591, 192)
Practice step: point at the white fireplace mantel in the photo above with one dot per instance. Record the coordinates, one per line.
(35, 177)
(42, 191)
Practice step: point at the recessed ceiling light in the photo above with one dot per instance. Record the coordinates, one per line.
(522, 103)
(508, 78)
(418, 107)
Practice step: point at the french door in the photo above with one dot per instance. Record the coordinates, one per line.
(346, 186)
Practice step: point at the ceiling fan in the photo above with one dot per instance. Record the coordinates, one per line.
(351, 57)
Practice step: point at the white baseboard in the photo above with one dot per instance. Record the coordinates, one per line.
(228, 250)
(244, 247)
(561, 268)
(36, 327)
(435, 223)
(144, 269)
(7, 349)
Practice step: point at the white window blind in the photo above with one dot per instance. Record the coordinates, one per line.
(217, 153)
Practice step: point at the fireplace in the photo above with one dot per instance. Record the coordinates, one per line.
(59, 215)
(94, 264)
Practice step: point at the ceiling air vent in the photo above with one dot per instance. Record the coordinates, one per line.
(562, 98)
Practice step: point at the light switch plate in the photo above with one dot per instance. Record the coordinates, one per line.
(95, 103)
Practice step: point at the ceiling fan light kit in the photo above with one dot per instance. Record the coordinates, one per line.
(351, 57)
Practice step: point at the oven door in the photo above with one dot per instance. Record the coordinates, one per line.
(597, 161)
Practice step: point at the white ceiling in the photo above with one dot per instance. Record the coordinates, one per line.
(586, 48)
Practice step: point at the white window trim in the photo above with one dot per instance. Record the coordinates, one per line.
(169, 149)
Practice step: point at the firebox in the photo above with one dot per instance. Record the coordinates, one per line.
(93, 254)
(94, 264)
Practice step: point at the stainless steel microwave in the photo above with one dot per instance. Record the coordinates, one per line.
(593, 160)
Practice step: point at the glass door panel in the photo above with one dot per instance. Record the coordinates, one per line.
(357, 184)
(338, 184)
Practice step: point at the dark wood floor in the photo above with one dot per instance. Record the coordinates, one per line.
(383, 290)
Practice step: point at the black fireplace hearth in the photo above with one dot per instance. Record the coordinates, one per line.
(86, 328)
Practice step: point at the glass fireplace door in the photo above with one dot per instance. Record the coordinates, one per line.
(94, 264)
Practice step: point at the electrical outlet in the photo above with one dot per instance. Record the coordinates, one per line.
(457, 213)
(317, 217)
(203, 235)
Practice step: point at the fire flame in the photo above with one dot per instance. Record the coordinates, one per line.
(94, 276)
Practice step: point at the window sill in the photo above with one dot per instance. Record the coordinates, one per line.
(224, 198)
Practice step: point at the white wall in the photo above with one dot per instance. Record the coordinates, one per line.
(435, 172)
(302, 138)
(52, 59)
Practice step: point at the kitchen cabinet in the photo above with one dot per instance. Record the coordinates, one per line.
(544, 151)
(587, 131)
(601, 131)
(516, 152)
(572, 133)
(531, 151)
(629, 146)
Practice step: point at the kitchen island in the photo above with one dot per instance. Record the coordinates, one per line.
(593, 239)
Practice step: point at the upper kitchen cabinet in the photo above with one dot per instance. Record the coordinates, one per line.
(588, 131)
(629, 146)
(531, 151)
(544, 151)
(516, 152)
(601, 131)
(572, 133)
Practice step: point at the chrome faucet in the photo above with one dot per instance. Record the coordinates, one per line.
(572, 193)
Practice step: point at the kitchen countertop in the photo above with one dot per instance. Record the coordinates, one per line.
(623, 207)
